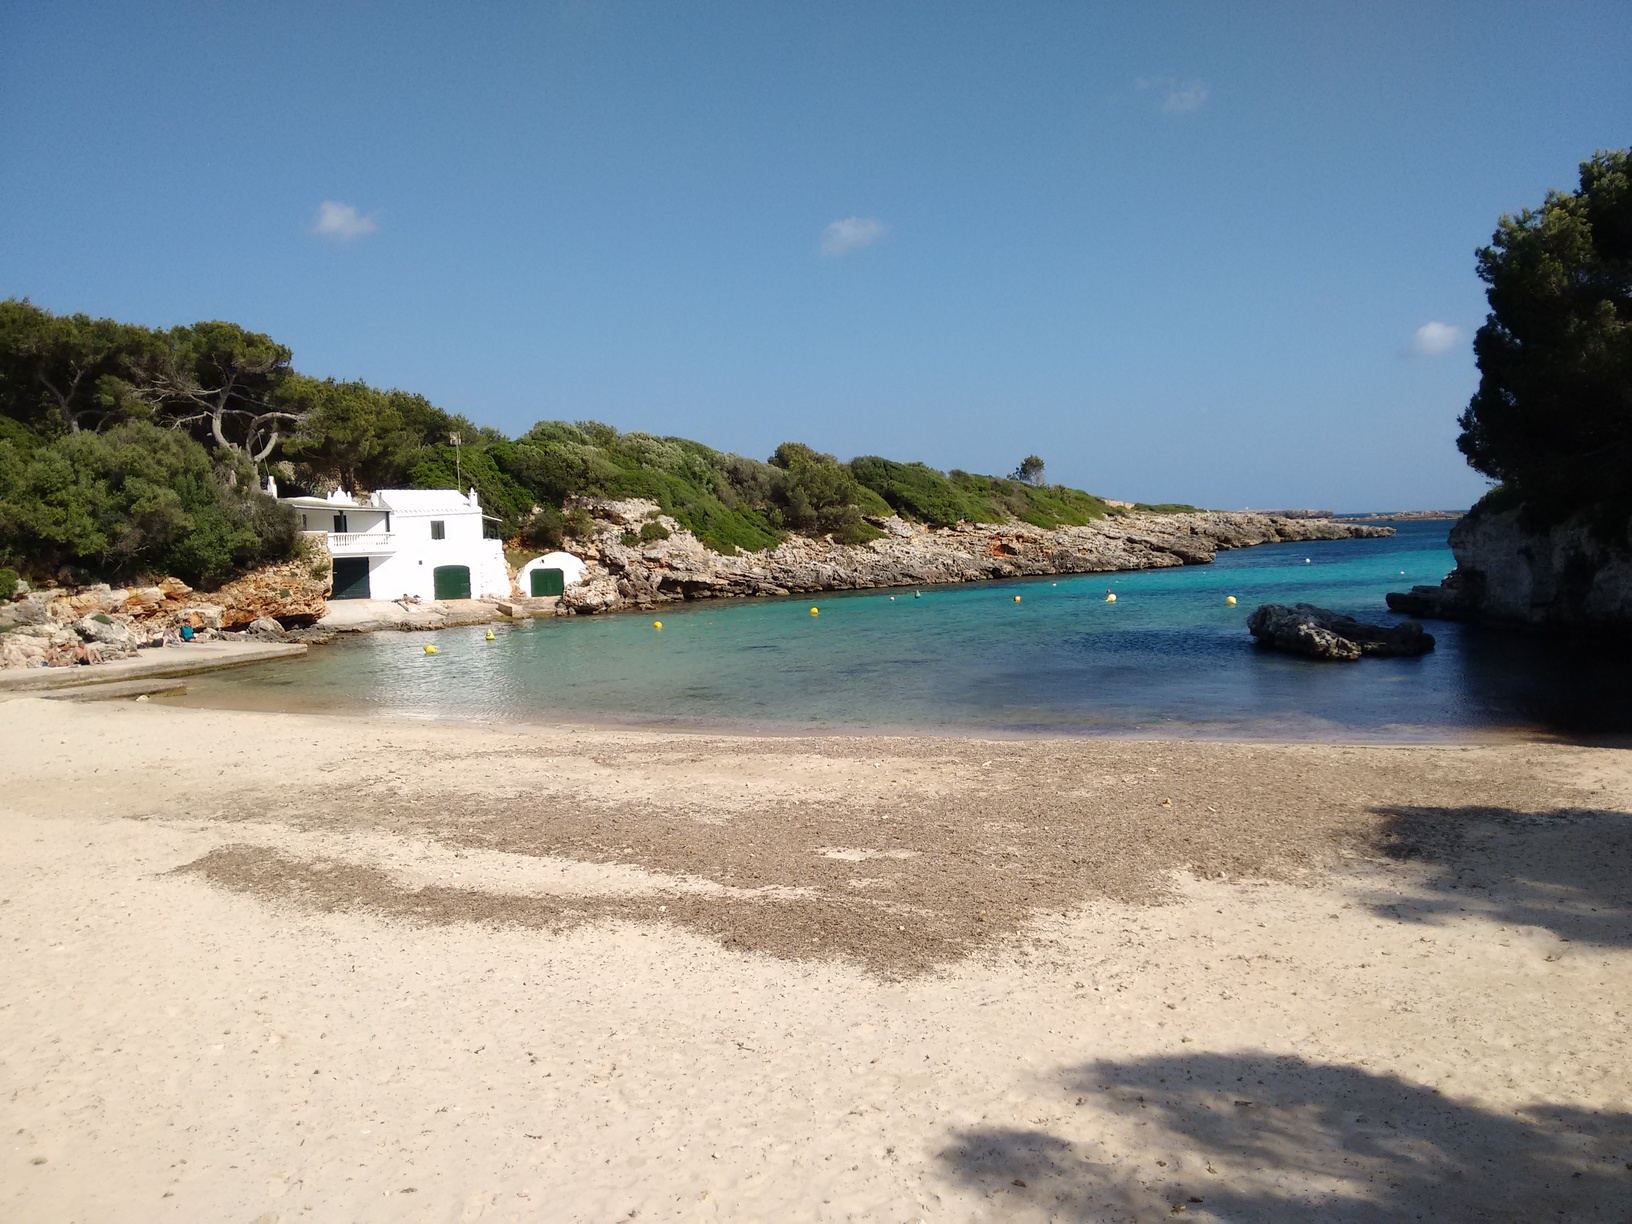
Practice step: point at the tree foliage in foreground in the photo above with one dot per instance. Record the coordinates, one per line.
(138, 499)
(1552, 418)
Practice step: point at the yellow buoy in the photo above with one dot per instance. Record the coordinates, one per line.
(1017, 599)
(815, 612)
(430, 650)
(1230, 599)
(1110, 596)
(491, 635)
(657, 624)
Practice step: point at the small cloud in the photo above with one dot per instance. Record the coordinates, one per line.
(851, 234)
(1178, 97)
(342, 222)
(1434, 340)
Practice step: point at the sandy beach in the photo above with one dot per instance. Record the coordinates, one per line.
(280, 967)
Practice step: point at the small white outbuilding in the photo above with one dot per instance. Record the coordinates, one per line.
(550, 574)
(429, 543)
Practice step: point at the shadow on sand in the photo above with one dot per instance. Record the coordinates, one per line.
(1245, 1137)
(1566, 870)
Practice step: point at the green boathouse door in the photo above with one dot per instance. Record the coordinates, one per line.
(451, 581)
(350, 578)
(549, 582)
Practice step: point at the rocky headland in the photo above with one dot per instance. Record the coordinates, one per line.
(1564, 578)
(626, 571)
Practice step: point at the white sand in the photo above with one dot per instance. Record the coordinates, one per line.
(1363, 1044)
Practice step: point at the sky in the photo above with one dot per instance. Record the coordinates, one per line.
(1219, 254)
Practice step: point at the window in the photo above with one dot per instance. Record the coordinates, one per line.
(340, 523)
(439, 529)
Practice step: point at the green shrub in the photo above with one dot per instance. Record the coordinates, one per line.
(653, 531)
(579, 524)
(9, 578)
(138, 499)
(544, 529)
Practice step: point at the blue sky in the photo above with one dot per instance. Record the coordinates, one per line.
(1183, 251)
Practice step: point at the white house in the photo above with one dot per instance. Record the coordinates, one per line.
(550, 574)
(396, 542)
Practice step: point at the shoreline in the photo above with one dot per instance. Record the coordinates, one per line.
(389, 969)
(625, 571)
(266, 702)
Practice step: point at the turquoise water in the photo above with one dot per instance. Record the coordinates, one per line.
(1168, 657)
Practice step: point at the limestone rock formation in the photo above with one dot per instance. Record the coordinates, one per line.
(1317, 633)
(1563, 578)
(653, 572)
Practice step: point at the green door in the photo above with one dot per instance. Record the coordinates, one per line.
(549, 582)
(350, 578)
(451, 581)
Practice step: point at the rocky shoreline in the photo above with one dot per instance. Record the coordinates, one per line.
(58, 627)
(627, 572)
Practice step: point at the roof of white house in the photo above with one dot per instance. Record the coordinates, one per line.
(398, 501)
(428, 501)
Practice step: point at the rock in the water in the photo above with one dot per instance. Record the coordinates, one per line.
(1319, 634)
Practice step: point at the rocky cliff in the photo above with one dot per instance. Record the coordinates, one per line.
(1563, 578)
(626, 571)
(57, 627)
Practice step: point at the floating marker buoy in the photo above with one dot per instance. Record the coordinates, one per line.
(430, 650)
(1110, 596)
(1230, 599)
(815, 611)
(490, 635)
(917, 594)
(1306, 560)
(657, 624)
(892, 598)
(1017, 599)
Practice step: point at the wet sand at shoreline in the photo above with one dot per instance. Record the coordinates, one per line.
(291, 966)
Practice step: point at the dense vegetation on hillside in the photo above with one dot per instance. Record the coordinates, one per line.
(1552, 418)
(127, 450)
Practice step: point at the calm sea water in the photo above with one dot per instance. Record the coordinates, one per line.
(1168, 657)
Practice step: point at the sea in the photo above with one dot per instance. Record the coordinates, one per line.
(1169, 657)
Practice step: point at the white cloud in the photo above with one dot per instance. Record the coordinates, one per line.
(1434, 340)
(851, 234)
(1178, 97)
(342, 222)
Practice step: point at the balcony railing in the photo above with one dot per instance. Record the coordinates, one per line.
(361, 543)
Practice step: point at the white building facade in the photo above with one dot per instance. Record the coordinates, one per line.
(550, 574)
(425, 543)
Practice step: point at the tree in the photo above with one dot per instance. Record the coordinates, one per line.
(136, 499)
(1552, 418)
(344, 429)
(1030, 471)
(70, 367)
(223, 383)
